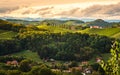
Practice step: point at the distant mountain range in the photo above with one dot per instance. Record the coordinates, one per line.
(62, 21)
(63, 18)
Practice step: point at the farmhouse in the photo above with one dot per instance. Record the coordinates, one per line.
(14, 63)
(98, 27)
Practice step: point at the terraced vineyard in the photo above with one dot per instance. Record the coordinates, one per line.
(111, 32)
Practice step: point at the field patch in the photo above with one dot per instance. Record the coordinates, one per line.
(28, 55)
(7, 34)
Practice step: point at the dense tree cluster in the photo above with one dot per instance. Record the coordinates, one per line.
(9, 46)
(65, 46)
(5, 25)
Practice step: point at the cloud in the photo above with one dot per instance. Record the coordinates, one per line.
(102, 11)
(7, 9)
(71, 12)
(111, 11)
(95, 11)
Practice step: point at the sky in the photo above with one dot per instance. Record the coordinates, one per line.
(106, 9)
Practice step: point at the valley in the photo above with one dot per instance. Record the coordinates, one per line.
(56, 46)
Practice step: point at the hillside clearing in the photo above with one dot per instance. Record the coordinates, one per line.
(28, 55)
(7, 34)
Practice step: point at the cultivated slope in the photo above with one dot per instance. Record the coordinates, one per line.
(111, 32)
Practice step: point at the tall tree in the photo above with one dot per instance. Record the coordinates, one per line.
(111, 67)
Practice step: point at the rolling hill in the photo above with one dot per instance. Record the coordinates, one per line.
(24, 22)
(111, 32)
(98, 22)
(53, 28)
(61, 22)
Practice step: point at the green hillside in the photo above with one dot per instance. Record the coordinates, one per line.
(24, 22)
(60, 22)
(53, 28)
(7, 34)
(73, 22)
(111, 32)
(29, 55)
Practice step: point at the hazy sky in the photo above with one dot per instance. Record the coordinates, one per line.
(49, 2)
(60, 8)
(21, 3)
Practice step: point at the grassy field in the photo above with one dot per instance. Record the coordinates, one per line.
(117, 35)
(33, 56)
(28, 55)
(111, 32)
(7, 34)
